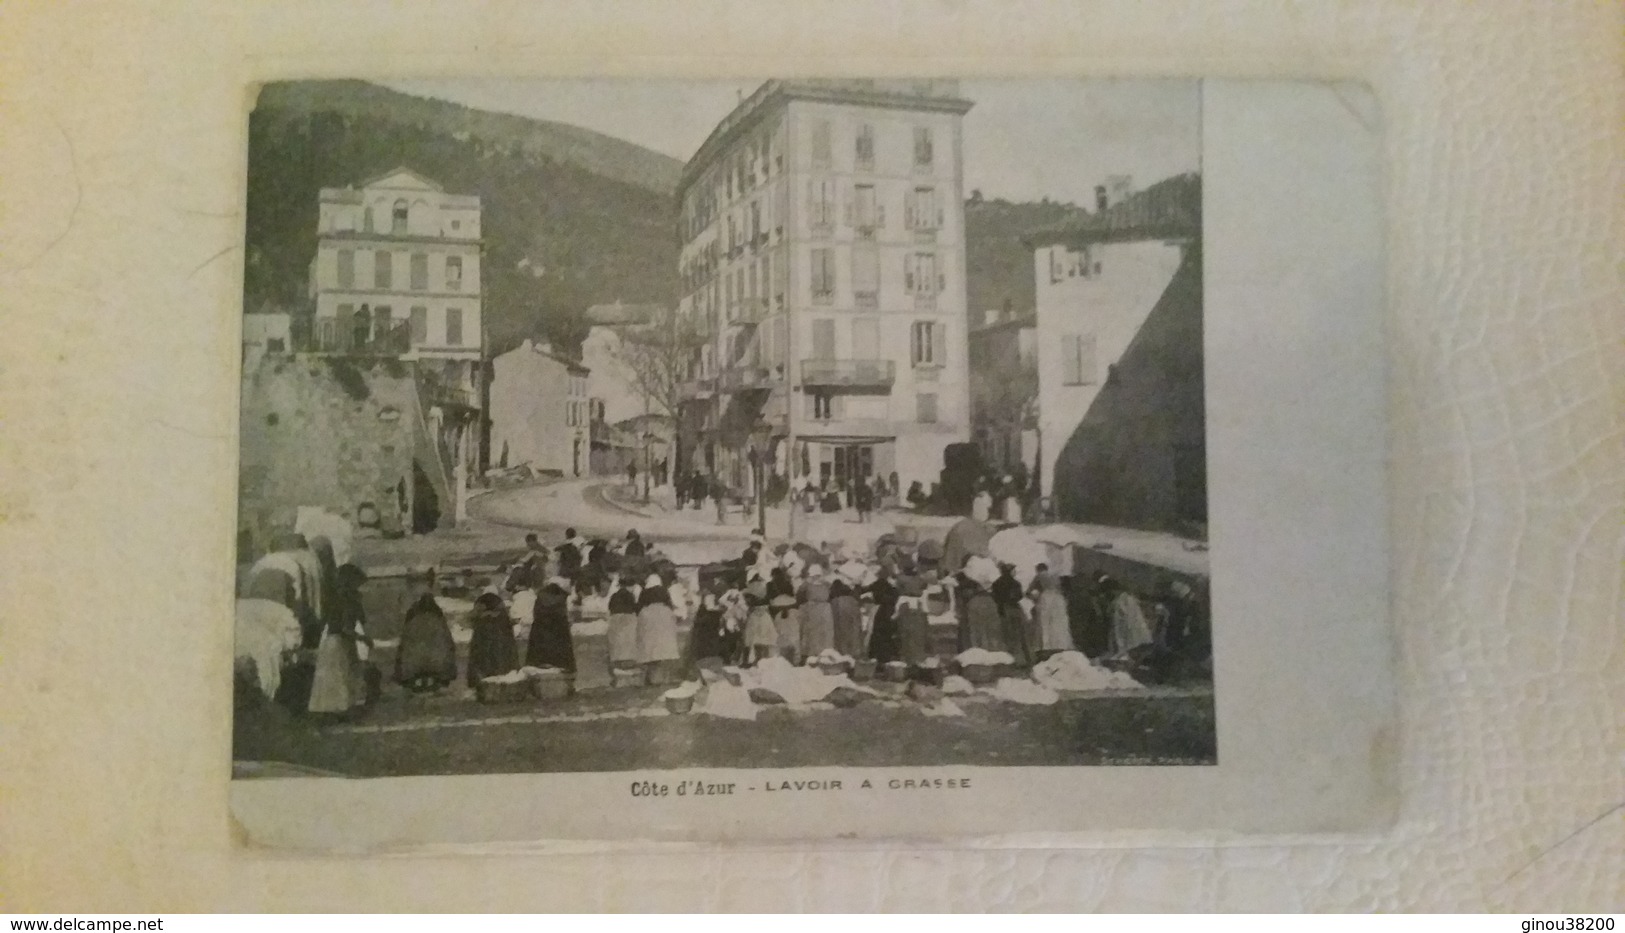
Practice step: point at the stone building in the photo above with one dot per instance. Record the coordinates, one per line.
(822, 231)
(541, 412)
(1121, 410)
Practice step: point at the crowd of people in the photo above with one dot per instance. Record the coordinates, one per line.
(302, 620)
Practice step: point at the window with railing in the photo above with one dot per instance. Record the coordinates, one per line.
(865, 148)
(823, 275)
(924, 151)
(866, 275)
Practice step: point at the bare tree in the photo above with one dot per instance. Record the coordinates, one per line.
(657, 357)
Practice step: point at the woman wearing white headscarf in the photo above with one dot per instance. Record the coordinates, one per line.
(623, 624)
(657, 631)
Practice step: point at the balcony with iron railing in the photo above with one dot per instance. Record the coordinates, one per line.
(360, 339)
(746, 378)
(873, 374)
(749, 312)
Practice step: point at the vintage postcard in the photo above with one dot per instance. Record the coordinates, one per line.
(789, 458)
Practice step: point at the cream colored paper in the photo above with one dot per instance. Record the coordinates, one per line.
(121, 167)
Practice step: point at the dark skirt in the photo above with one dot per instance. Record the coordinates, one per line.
(1013, 629)
(848, 615)
(493, 650)
(705, 640)
(550, 645)
(913, 635)
(426, 653)
(983, 627)
(885, 640)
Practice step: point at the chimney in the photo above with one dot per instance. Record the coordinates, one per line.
(1100, 198)
(990, 316)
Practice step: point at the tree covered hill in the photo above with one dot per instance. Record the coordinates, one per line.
(590, 213)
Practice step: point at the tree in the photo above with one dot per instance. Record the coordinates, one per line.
(657, 356)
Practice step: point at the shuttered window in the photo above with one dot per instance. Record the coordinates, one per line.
(821, 143)
(454, 327)
(1078, 360)
(420, 272)
(383, 269)
(420, 325)
(823, 274)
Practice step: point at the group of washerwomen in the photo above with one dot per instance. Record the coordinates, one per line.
(301, 628)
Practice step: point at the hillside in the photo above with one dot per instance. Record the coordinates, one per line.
(608, 156)
(997, 266)
(593, 212)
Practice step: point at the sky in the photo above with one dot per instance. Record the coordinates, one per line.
(1024, 139)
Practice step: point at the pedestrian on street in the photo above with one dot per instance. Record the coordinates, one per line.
(864, 498)
(632, 475)
(569, 556)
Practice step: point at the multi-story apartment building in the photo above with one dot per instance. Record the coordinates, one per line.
(397, 273)
(823, 257)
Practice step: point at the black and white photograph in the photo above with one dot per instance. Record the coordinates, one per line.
(639, 425)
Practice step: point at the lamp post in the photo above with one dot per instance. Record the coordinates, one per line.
(760, 441)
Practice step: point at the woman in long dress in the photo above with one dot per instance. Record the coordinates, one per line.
(1007, 595)
(549, 644)
(980, 624)
(761, 637)
(848, 615)
(706, 638)
(913, 626)
(781, 602)
(426, 659)
(885, 640)
(493, 650)
(623, 625)
(657, 631)
(339, 685)
(1050, 609)
(1130, 627)
(817, 619)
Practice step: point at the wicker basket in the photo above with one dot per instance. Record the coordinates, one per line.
(895, 672)
(980, 674)
(552, 685)
(494, 691)
(864, 670)
(623, 677)
(932, 675)
(677, 706)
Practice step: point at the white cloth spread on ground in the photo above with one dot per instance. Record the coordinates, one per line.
(943, 707)
(724, 700)
(263, 630)
(1070, 670)
(956, 686)
(797, 685)
(1016, 690)
(984, 656)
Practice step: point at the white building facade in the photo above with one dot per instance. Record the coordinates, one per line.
(397, 267)
(823, 256)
